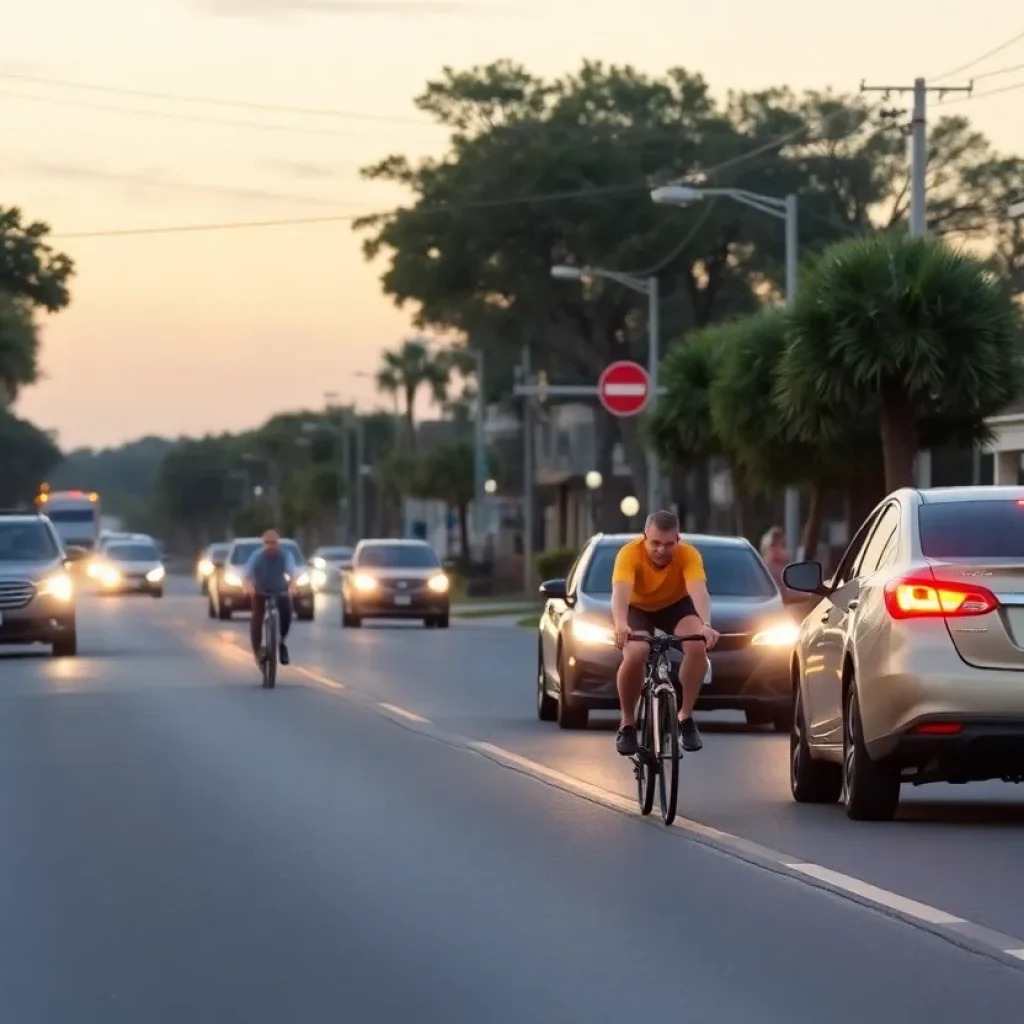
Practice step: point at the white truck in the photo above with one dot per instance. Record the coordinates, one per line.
(75, 516)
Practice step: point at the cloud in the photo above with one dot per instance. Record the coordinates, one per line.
(276, 8)
(154, 179)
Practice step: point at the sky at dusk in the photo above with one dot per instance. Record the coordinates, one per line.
(206, 331)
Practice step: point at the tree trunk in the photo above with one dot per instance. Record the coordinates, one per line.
(464, 534)
(812, 524)
(898, 427)
(410, 413)
(741, 503)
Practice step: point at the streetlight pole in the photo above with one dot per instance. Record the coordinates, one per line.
(645, 286)
(786, 211)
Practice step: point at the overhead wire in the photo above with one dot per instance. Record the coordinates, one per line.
(979, 60)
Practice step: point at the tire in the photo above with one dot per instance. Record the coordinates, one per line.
(157, 594)
(66, 646)
(270, 659)
(569, 716)
(782, 721)
(224, 614)
(669, 756)
(349, 621)
(210, 610)
(757, 716)
(305, 616)
(642, 766)
(810, 781)
(547, 706)
(871, 789)
(429, 623)
(443, 621)
(204, 588)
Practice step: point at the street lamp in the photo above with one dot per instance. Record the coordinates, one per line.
(490, 486)
(593, 480)
(645, 286)
(629, 506)
(781, 209)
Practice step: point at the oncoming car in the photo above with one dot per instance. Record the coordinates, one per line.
(395, 579)
(227, 593)
(328, 563)
(911, 667)
(208, 562)
(129, 566)
(577, 660)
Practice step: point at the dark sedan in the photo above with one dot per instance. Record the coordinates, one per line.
(227, 593)
(395, 579)
(577, 660)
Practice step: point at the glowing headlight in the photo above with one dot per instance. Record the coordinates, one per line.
(58, 586)
(108, 576)
(364, 582)
(777, 636)
(93, 570)
(439, 583)
(319, 579)
(591, 633)
(205, 567)
(156, 575)
(303, 580)
(319, 563)
(232, 579)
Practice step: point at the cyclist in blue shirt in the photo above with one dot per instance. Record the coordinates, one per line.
(269, 572)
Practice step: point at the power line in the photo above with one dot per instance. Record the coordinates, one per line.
(988, 92)
(978, 60)
(1000, 71)
(210, 101)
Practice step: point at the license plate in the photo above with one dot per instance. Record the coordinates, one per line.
(403, 600)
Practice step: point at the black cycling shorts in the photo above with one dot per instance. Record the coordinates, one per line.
(665, 619)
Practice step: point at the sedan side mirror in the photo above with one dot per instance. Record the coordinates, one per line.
(806, 578)
(554, 590)
(346, 566)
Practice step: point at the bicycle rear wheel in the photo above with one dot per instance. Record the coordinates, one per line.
(669, 755)
(643, 761)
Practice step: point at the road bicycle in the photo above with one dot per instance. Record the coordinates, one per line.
(657, 726)
(271, 640)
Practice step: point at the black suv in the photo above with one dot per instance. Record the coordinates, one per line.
(37, 595)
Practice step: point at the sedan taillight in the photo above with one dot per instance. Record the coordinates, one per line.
(924, 597)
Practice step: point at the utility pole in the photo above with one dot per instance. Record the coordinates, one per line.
(918, 184)
(528, 499)
(918, 141)
(360, 478)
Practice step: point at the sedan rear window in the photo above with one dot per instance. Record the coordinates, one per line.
(398, 556)
(133, 553)
(972, 529)
(731, 571)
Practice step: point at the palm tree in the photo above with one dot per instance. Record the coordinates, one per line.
(405, 371)
(918, 333)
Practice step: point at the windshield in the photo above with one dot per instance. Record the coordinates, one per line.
(217, 551)
(731, 571)
(972, 529)
(335, 554)
(27, 542)
(133, 552)
(71, 515)
(294, 551)
(243, 552)
(398, 556)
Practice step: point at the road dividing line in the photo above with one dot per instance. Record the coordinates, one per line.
(396, 710)
(884, 898)
(1018, 953)
(318, 678)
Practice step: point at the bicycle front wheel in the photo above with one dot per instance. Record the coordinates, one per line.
(668, 755)
(270, 662)
(643, 762)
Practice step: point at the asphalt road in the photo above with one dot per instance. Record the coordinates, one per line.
(180, 845)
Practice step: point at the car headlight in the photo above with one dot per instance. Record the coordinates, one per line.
(591, 633)
(108, 575)
(205, 567)
(319, 563)
(439, 583)
(156, 575)
(59, 586)
(784, 635)
(303, 580)
(232, 579)
(364, 582)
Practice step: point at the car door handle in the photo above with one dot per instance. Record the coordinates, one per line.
(853, 604)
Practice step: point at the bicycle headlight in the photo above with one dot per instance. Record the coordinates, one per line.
(364, 583)
(439, 583)
(585, 632)
(665, 670)
(58, 586)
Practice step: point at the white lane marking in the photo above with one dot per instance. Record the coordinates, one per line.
(625, 390)
(1018, 953)
(318, 678)
(931, 915)
(396, 710)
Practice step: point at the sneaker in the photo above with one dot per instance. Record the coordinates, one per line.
(283, 654)
(689, 735)
(625, 741)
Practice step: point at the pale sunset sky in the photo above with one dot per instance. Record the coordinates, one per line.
(196, 332)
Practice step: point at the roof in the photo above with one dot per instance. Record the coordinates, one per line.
(21, 515)
(707, 539)
(984, 492)
(395, 541)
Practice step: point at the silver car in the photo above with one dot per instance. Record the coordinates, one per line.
(129, 566)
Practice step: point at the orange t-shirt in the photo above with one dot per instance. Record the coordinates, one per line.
(654, 588)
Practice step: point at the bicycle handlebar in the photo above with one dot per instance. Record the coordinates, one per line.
(666, 641)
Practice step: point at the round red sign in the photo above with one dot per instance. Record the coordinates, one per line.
(623, 388)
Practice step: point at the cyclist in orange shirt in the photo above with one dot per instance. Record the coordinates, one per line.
(658, 583)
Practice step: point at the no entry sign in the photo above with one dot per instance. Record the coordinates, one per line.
(623, 388)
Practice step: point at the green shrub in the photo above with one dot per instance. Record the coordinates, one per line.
(556, 563)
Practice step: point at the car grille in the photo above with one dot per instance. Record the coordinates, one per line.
(15, 593)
